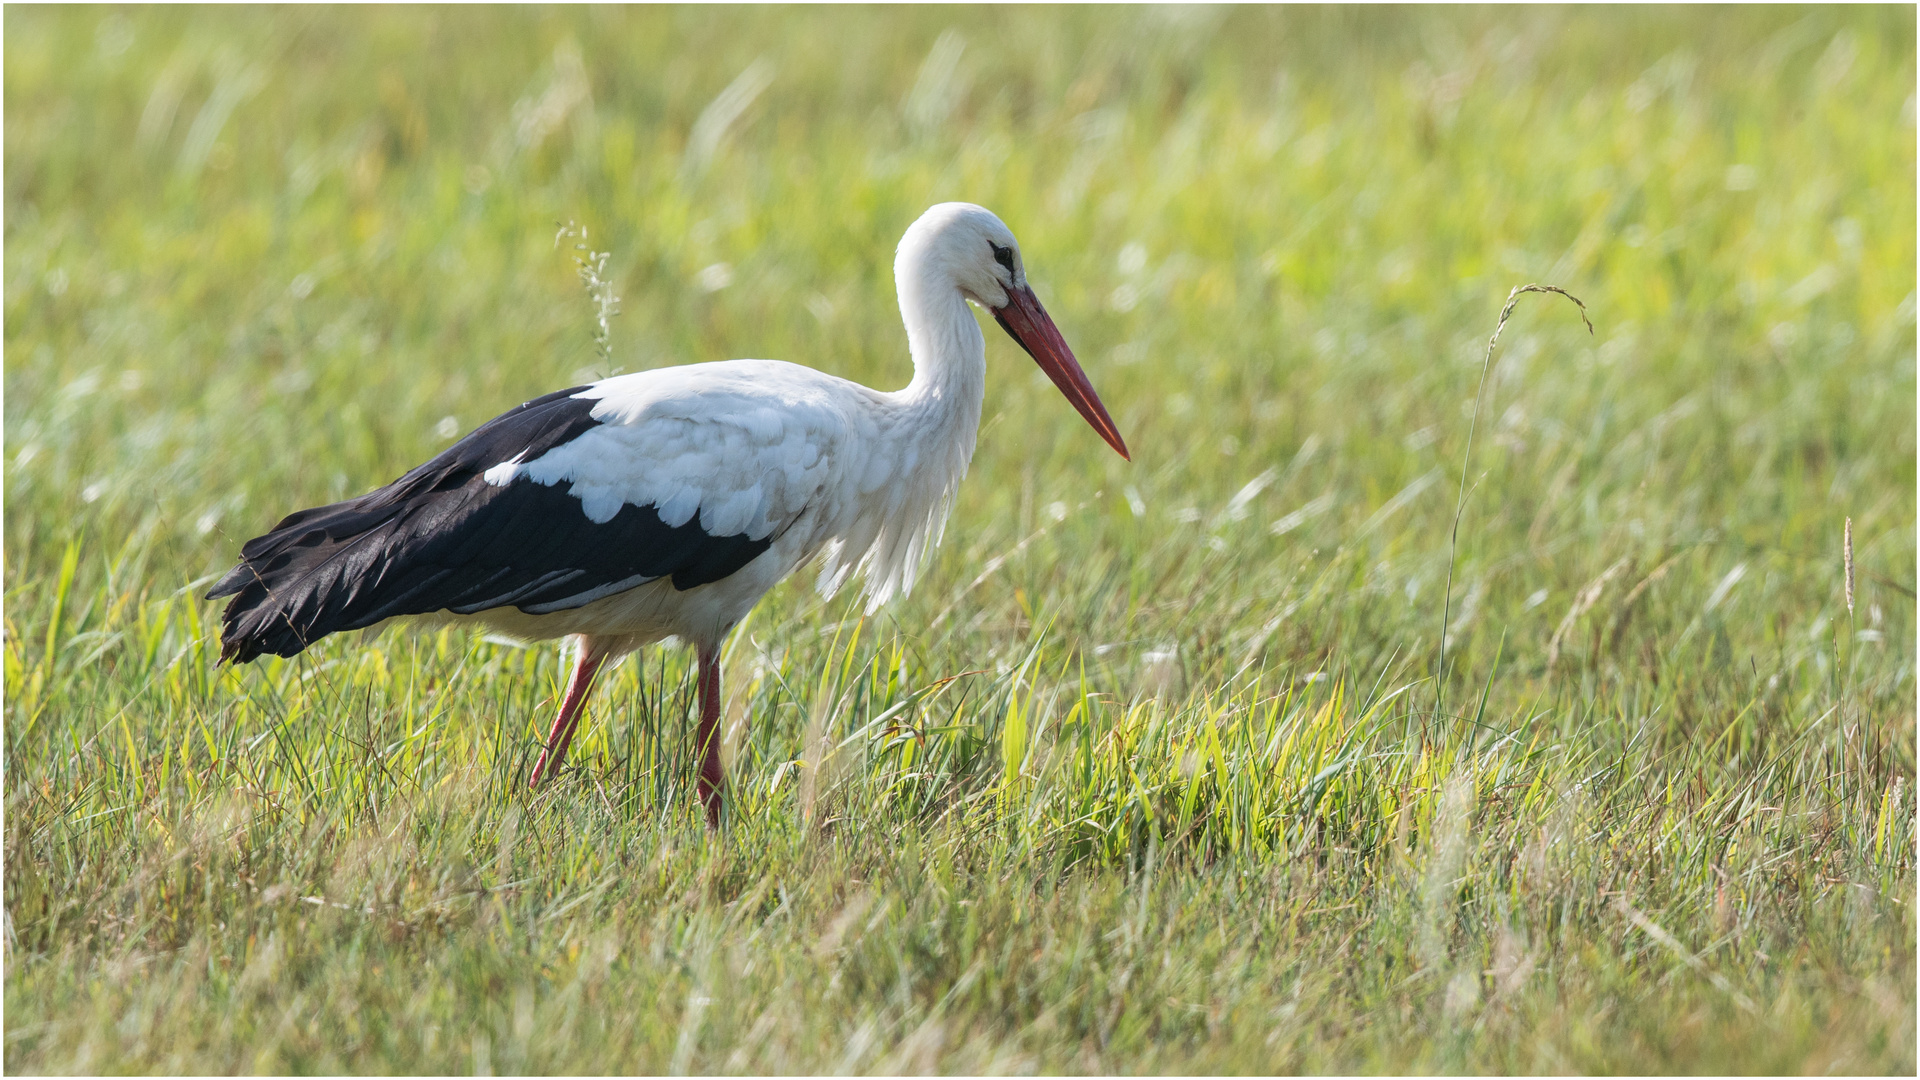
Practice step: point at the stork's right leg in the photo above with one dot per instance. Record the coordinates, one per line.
(586, 665)
(713, 776)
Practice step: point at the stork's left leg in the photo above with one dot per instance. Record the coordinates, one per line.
(712, 776)
(586, 665)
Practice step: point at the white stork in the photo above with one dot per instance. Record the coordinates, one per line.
(666, 502)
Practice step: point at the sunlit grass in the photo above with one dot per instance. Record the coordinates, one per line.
(1147, 774)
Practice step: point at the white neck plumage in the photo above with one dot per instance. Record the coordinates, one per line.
(924, 434)
(928, 430)
(949, 353)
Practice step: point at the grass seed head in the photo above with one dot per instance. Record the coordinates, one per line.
(1846, 558)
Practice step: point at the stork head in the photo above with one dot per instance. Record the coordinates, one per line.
(977, 252)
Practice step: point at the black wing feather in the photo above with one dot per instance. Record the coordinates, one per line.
(442, 538)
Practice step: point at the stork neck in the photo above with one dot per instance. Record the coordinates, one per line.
(949, 353)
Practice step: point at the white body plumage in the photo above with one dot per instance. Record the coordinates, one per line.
(821, 466)
(860, 478)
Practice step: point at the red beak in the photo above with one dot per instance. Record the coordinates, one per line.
(1027, 322)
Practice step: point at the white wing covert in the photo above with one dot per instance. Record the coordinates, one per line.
(742, 445)
(749, 447)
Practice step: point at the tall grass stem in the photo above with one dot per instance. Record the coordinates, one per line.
(1466, 458)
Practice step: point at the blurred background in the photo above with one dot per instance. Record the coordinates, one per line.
(258, 258)
(261, 257)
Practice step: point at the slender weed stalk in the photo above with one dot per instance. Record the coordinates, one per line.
(591, 265)
(1846, 565)
(1460, 499)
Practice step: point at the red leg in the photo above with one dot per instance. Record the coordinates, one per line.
(585, 665)
(712, 776)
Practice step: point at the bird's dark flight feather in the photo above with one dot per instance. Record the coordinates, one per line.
(442, 538)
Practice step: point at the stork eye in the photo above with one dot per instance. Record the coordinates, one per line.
(1002, 255)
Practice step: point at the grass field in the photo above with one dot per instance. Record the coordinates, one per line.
(1157, 769)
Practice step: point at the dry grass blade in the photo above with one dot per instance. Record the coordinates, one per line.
(1687, 956)
(1618, 625)
(1583, 602)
